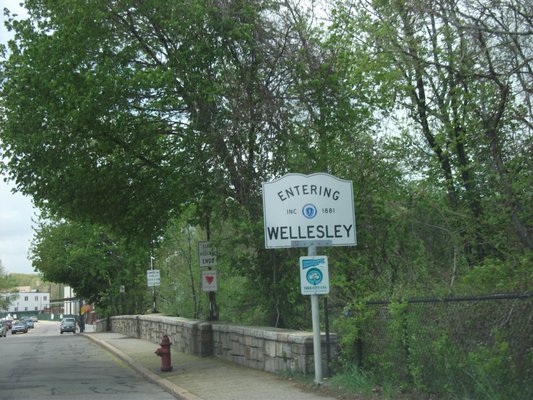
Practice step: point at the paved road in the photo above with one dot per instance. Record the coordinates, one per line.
(43, 364)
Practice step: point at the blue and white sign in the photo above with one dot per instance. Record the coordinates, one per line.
(314, 275)
(308, 210)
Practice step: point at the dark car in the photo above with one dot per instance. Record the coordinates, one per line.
(67, 326)
(19, 326)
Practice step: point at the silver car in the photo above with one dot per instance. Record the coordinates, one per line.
(19, 326)
(67, 326)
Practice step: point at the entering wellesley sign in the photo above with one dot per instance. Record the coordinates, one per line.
(304, 210)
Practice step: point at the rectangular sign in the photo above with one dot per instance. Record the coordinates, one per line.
(308, 210)
(206, 254)
(314, 275)
(152, 277)
(209, 281)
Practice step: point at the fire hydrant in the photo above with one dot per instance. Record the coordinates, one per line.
(164, 353)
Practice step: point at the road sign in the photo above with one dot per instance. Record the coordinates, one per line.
(85, 309)
(314, 275)
(209, 281)
(152, 277)
(308, 210)
(206, 254)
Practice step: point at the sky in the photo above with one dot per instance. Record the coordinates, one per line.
(16, 210)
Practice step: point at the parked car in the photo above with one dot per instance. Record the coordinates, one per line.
(68, 326)
(19, 326)
(29, 323)
(34, 318)
(3, 329)
(7, 323)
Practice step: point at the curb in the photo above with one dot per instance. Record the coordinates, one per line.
(168, 386)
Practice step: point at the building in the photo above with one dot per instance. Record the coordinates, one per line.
(27, 301)
(71, 305)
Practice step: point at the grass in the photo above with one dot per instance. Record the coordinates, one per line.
(351, 384)
(360, 385)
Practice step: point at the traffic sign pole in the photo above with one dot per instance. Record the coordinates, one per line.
(315, 314)
(207, 258)
(154, 284)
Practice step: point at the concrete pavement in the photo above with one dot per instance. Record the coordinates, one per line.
(201, 378)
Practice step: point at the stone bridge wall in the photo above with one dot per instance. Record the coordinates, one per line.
(263, 348)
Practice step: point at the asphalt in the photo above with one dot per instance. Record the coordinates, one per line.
(201, 378)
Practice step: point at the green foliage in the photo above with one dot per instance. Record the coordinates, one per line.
(157, 122)
(490, 369)
(447, 349)
(455, 129)
(93, 262)
(17, 279)
(145, 113)
(7, 281)
(354, 319)
(98, 115)
(352, 380)
(177, 259)
(499, 276)
(5, 285)
(247, 293)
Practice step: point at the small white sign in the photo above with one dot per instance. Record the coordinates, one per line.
(207, 261)
(209, 281)
(153, 277)
(206, 254)
(308, 210)
(314, 275)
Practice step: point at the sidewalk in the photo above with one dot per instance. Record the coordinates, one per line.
(200, 378)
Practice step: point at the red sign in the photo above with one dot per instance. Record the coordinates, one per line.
(209, 281)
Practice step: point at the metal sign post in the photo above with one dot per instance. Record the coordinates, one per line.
(314, 280)
(207, 257)
(315, 315)
(153, 280)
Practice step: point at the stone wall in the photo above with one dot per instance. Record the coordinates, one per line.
(263, 348)
(268, 349)
(187, 336)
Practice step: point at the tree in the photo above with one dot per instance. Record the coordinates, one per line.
(5, 285)
(93, 262)
(141, 109)
(459, 72)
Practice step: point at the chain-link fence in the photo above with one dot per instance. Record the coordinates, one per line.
(468, 347)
